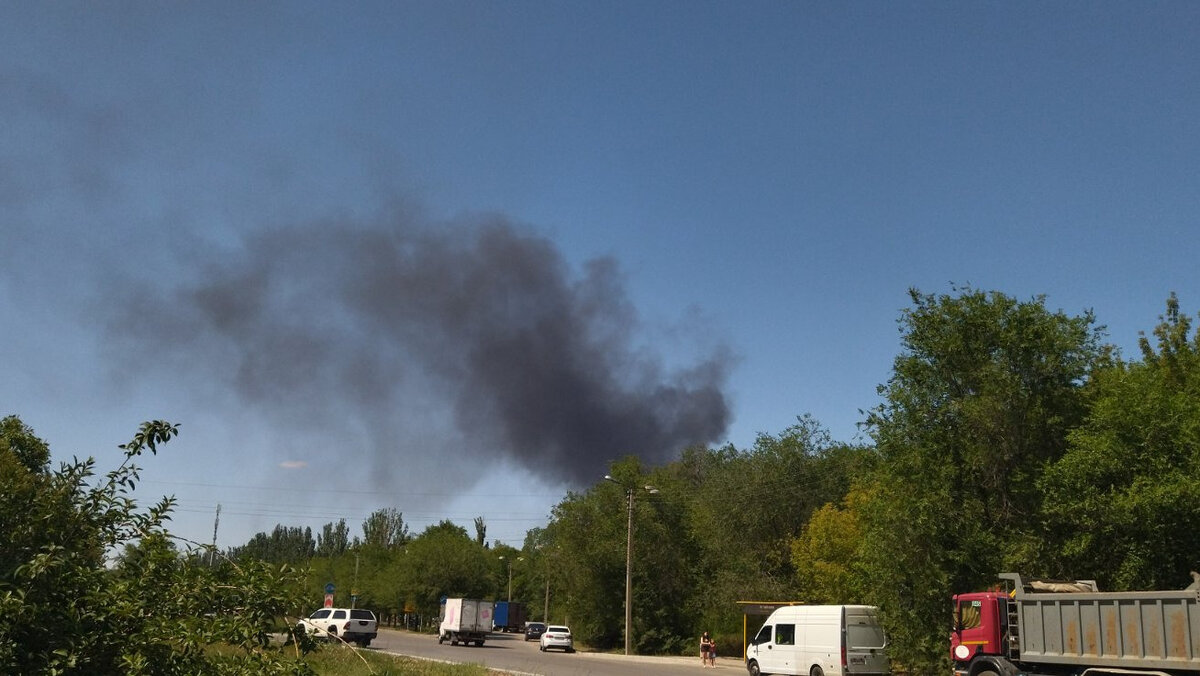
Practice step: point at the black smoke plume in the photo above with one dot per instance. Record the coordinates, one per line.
(465, 341)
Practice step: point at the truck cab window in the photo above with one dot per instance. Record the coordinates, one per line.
(785, 634)
(969, 615)
(764, 636)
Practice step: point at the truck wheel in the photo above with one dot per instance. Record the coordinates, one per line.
(479, 644)
(753, 668)
(441, 638)
(989, 672)
(817, 671)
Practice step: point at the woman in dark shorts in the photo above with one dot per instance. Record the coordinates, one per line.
(707, 650)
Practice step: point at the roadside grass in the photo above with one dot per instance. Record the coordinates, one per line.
(338, 660)
(333, 660)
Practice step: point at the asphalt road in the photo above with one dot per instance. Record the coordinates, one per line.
(511, 653)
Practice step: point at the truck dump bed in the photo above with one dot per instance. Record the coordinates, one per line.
(1152, 629)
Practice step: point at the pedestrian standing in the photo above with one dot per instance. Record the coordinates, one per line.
(706, 649)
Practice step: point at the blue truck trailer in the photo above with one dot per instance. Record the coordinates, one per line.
(509, 616)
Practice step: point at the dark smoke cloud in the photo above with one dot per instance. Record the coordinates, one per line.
(481, 324)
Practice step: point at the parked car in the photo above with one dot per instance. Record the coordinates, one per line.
(534, 630)
(557, 636)
(354, 625)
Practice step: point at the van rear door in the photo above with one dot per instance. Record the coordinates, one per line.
(865, 642)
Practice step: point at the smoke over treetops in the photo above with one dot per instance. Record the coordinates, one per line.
(388, 332)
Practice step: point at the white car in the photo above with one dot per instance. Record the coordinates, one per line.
(353, 625)
(557, 636)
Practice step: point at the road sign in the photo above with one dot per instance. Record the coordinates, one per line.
(329, 600)
(329, 588)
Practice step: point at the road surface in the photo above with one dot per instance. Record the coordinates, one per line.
(511, 653)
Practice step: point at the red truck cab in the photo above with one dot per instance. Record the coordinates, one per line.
(980, 625)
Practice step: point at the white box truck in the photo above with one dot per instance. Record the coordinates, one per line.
(819, 641)
(465, 621)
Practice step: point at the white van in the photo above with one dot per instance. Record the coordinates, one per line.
(819, 641)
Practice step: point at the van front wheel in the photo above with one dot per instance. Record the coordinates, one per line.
(753, 668)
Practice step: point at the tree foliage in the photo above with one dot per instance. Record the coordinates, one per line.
(155, 612)
(284, 545)
(334, 539)
(1122, 501)
(480, 531)
(24, 446)
(443, 561)
(1008, 438)
(827, 555)
(385, 529)
(982, 397)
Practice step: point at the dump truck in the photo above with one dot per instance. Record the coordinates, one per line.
(465, 621)
(1071, 628)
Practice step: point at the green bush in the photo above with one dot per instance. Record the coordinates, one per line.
(71, 609)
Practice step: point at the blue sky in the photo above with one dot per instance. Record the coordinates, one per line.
(726, 197)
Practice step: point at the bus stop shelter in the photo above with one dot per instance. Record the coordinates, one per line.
(759, 609)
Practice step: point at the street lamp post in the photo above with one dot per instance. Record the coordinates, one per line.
(519, 558)
(629, 555)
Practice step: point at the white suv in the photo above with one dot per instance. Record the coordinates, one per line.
(354, 625)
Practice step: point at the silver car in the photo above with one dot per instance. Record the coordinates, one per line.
(557, 636)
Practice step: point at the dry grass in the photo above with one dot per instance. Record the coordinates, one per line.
(341, 661)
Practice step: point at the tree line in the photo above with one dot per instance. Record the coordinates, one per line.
(1008, 437)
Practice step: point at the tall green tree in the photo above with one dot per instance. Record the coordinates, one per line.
(746, 507)
(25, 446)
(334, 539)
(480, 531)
(587, 532)
(588, 536)
(155, 612)
(981, 399)
(1122, 504)
(443, 561)
(385, 529)
(828, 556)
(285, 544)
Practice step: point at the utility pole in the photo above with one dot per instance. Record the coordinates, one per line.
(545, 561)
(354, 587)
(510, 563)
(629, 556)
(629, 570)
